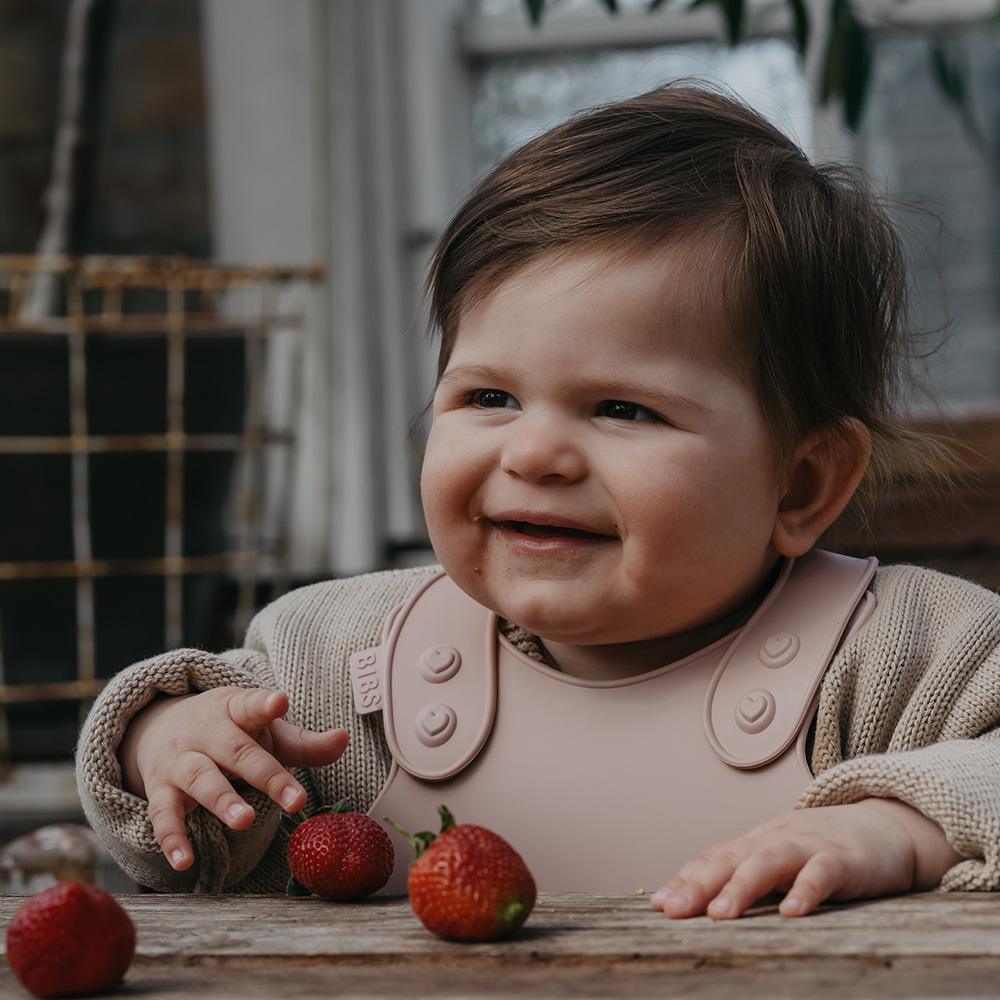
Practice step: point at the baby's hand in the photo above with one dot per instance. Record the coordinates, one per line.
(180, 752)
(831, 852)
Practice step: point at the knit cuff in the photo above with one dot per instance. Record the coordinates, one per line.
(223, 856)
(955, 783)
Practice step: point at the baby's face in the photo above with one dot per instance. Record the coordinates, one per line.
(596, 472)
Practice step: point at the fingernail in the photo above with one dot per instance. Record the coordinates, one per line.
(235, 811)
(176, 856)
(658, 897)
(724, 906)
(682, 900)
(289, 797)
(793, 904)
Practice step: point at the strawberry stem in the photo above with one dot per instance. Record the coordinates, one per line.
(420, 841)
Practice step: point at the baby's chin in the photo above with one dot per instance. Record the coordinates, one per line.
(559, 624)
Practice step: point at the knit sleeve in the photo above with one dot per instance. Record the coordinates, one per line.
(910, 709)
(299, 644)
(121, 819)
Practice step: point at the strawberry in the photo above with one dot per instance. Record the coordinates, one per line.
(468, 883)
(338, 854)
(70, 940)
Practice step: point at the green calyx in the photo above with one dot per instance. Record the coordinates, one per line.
(422, 840)
(296, 888)
(340, 806)
(291, 820)
(512, 914)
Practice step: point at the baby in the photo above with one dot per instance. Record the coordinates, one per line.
(669, 352)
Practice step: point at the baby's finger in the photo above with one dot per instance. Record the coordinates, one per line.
(818, 879)
(766, 869)
(699, 881)
(199, 775)
(239, 755)
(298, 747)
(252, 709)
(166, 813)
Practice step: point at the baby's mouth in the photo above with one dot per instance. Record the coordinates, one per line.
(546, 530)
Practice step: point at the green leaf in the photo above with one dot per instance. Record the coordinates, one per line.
(289, 821)
(948, 74)
(447, 820)
(535, 8)
(857, 72)
(951, 75)
(800, 18)
(733, 12)
(612, 5)
(296, 888)
(848, 63)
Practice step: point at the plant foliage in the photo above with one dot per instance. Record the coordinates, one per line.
(847, 61)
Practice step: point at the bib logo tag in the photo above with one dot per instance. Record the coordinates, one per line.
(365, 681)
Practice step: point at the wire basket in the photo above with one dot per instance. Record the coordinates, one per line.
(176, 301)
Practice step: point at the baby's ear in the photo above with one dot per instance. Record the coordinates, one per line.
(825, 471)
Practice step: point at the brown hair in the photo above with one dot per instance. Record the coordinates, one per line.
(813, 275)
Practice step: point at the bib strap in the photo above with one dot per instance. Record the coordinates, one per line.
(439, 700)
(762, 690)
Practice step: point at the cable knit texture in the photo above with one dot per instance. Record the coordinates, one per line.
(909, 709)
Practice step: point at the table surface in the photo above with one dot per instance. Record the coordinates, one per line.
(573, 945)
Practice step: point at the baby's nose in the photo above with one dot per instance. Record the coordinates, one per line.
(541, 448)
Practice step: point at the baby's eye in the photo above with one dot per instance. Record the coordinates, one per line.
(620, 409)
(491, 398)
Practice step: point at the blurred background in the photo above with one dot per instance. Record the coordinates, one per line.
(215, 222)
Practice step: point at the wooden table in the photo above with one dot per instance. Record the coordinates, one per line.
(574, 945)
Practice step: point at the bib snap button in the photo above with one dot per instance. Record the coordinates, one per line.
(779, 649)
(755, 711)
(439, 663)
(435, 725)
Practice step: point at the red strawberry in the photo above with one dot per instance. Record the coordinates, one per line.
(70, 940)
(339, 854)
(468, 883)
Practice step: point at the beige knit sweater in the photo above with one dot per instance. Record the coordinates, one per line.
(909, 709)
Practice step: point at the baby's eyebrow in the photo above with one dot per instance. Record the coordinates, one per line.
(604, 387)
(483, 372)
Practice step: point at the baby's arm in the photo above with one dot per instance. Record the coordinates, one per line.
(299, 645)
(907, 759)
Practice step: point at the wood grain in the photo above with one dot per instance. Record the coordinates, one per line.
(932, 944)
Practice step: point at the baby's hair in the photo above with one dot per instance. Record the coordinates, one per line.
(804, 259)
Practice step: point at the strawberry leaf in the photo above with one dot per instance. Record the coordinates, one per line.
(289, 822)
(296, 888)
(340, 806)
(447, 820)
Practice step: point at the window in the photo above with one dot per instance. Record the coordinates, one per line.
(911, 141)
